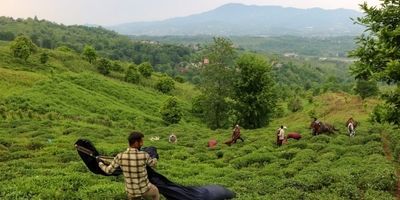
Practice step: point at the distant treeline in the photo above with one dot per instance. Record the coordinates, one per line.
(306, 46)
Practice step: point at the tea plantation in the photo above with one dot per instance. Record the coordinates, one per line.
(45, 108)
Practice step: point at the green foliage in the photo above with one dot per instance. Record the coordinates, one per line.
(295, 104)
(254, 159)
(117, 66)
(165, 84)
(7, 35)
(132, 75)
(171, 112)
(22, 47)
(308, 46)
(44, 57)
(198, 103)
(103, 66)
(145, 69)
(377, 51)
(221, 56)
(254, 91)
(179, 79)
(393, 101)
(89, 53)
(366, 88)
(64, 49)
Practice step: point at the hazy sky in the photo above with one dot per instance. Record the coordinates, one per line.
(110, 12)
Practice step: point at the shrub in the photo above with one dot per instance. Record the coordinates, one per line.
(378, 177)
(145, 69)
(219, 154)
(3, 112)
(179, 79)
(116, 66)
(295, 104)
(321, 138)
(366, 88)
(34, 145)
(89, 53)
(197, 105)
(181, 155)
(345, 190)
(171, 112)
(289, 154)
(379, 114)
(44, 57)
(104, 66)
(64, 49)
(165, 84)
(373, 194)
(22, 47)
(257, 159)
(288, 193)
(132, 75)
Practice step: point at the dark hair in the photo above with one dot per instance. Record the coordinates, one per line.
(281, 126)
(135, 136)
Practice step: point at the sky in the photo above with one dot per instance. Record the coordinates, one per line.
(113, 12)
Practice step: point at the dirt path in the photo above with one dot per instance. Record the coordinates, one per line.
(389, 156)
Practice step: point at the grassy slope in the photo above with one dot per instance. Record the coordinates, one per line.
(45, 113)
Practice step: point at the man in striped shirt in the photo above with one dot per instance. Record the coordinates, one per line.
(133, 164)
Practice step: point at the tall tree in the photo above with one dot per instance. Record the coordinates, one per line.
(22, 47)
(254, 94)
(217, 82)
(378, 50)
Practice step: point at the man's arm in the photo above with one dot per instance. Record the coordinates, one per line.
(112, 167)
(150, 161)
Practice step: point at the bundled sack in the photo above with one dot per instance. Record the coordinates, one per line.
(167, 188)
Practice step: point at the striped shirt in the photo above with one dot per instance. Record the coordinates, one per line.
(133, 164)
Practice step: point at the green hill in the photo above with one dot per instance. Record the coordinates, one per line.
(45, 108)
(107, 43)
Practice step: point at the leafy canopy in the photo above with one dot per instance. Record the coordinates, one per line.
(254, 91)
(378, 50)
(22, 47)
(171, 112)
(89, 53)
(217, 82)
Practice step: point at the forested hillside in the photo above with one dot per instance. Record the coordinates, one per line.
(175, 58)
(107, 43)
(318, 47)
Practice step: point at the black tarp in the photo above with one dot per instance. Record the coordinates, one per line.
(167, 188)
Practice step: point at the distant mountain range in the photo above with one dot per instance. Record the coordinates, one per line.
(239, 19)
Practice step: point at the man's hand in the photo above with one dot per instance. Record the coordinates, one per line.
(98, 159)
